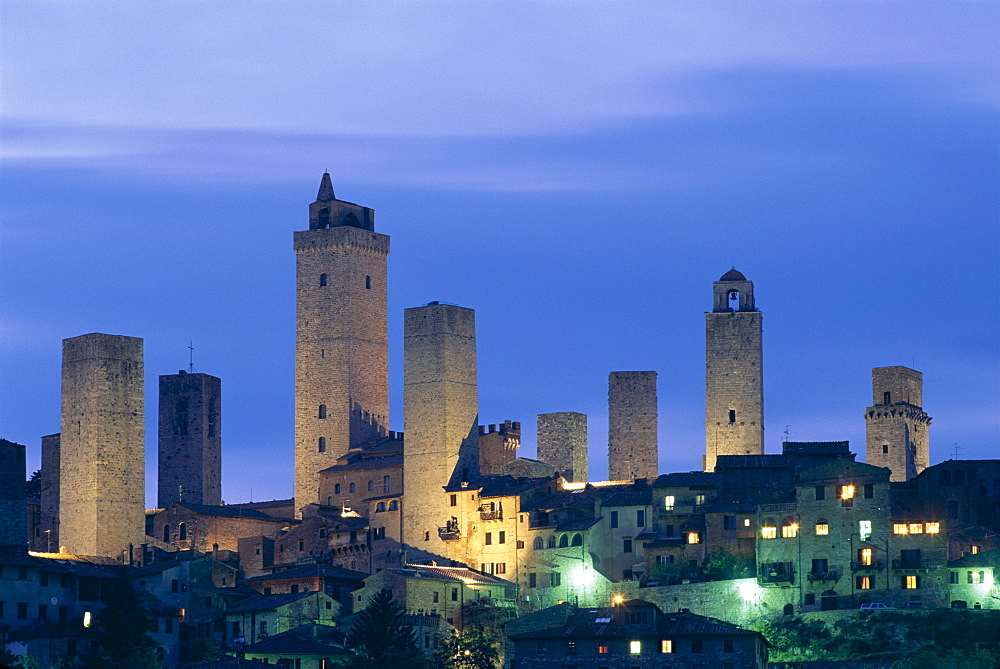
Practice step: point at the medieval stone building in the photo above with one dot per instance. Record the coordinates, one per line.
(632, 428)
(896, 424)
(190, 439)
(562, 442)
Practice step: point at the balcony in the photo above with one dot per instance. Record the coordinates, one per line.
(776, 578)
(829, 575)
(874, 566)
(491, 515)
(449, 532)
(911, 565)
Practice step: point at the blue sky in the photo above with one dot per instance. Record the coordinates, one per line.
(578, 173)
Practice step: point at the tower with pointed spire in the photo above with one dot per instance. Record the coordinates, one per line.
(341, 345)
(734, 371)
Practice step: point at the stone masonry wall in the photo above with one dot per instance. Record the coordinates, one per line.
(13, 508)
(49, 522)
(632, 433)
(895, 425)
(341, 353)
(102, 448)
(190, 440)
(562, 443)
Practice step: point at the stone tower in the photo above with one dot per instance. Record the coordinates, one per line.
(441, 406)
(49, 521)
(562, 443)
(341, 346)
(896, 425)
(190, 439)
(102, 448)
(632, 415)
(734, 371)
(498, 446)
(13, 503)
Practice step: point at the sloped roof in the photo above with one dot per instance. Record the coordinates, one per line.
(310, 571)
(500, 486)
(843, 468)
(687, 480)
(463, 574)
(267, 602)
(984, 559)
(379, 462)
(232, 512)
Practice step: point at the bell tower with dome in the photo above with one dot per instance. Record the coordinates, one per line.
(734, 372)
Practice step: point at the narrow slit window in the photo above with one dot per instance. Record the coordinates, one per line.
(321, 445)
(322, 279)
(368, 282)
(732, 415)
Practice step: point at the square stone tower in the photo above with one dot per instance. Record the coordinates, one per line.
(49, 521)
(102, 447)
(734, 371)
(341, 346)
(190, 440)
(632, 416)
(896, 425)
(13, 503)
(441, 407)
(562, 443)
(498, 446)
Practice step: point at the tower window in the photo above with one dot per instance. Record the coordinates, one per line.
(368, 282)
(322, 279)
(322, 445)
(322, 411)
(212, 417)
(336, 489)
(166, 534)
(181, 416)
(352, 488)
(182, 532)
(885, 448)
(324, 218)
(732, 415)
(385, 484)
(887, 398)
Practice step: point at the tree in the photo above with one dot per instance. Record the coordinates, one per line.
(380, 637)
(722, 565)
(122, 640)
(33, 486)
(475, 648)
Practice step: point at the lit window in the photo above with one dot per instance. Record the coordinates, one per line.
(667, 646)
(668, 502)
(911, 582)
(789, 529)
(865, 557)
(693, 538)
(864, 582)
(847, 492)
(768, 532)
(746, 522)
(602, 649)
(916, 528)
(87, 618)
(822, 527)
(699, 500)
(932, 528)
(635, 647)
(865, 529)
(975, 550)
(899, 528)
(976, 577)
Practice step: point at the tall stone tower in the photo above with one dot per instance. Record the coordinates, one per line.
(49, 521)
(341, 347)
(498, 446)
(102, 448)
(441, 407)
(734, 371)
(896, 425)
(13, 503)
(562, 443)
(632, 415)
(190, 439)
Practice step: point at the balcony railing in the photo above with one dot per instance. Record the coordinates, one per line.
(491, 515)
(829, 575)
(774, 577)
(449, 533)
(905, 565)
(874, 566)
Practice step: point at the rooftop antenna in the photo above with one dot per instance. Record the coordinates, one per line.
(785, 440)
(955, 452)
(191, 356)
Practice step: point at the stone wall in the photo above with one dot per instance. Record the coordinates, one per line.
(48, 539)
(632, 426)
(895, 425)
(190, 439)
(102, 447)
(562, 443)
(13, 507)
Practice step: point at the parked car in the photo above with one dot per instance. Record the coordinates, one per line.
(876, 606)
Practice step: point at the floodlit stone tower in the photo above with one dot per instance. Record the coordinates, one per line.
(49, 520)
(632, 415)
(102, 448)
(341, 347)
(441, 405)
(562, 443)
(13, 506)
(734, 371)
(896, 425)
(190, 439)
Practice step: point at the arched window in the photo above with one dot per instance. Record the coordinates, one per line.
(368, 282)
(371, 486)
(322, 279)
(733, 297)
(329, 500)
(788, 610)
(385, 484)
(822, 526)
(181, 416)
(321, 445)
(769, 530)
(551, 543)
(322, 411)
(352, 488)
(577, 540)
(182, 532)
(538, 544)
(564, 541)
(944, 477)
(393, 505)
(336, 489)
(352, 221)
(324, 218)
(380, 507)
(166, 534)
(789, 528)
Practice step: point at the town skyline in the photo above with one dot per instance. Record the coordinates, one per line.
(858, 197)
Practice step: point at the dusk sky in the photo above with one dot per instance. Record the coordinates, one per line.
(579, 173)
